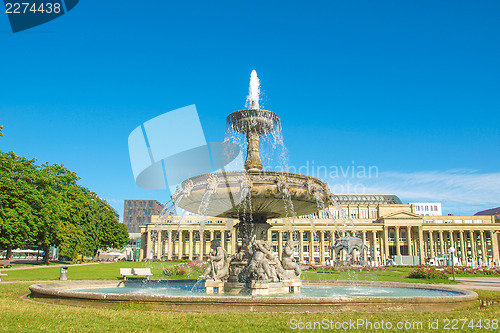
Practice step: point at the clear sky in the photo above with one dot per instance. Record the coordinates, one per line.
(409, 88)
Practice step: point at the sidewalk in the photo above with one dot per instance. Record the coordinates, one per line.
(487, 283)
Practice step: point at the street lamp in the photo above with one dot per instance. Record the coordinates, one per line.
(452, 251)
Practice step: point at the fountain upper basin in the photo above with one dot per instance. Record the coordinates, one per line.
(268, 192)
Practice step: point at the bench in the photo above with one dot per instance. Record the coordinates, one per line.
(135, 272)
(5, 263)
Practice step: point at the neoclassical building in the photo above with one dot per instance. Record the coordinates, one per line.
(390, 230)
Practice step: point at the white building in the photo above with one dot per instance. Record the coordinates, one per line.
(427, 208)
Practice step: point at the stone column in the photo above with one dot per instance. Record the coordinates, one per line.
(280, 244)
(386, 245)
(311, 247)
(364, 255)
(484, 256)
(441, 242)
(301, 244)
(180, 245)
(473, 247)
(463, 248)
(190, 250)
(374, 246)
(408, 240)
(234, 250)
(149, 245)
(431, 243)
(169, 245)
(223, 239)
(322, 248)
(201, 245)
(421, 243)
(396, 238)
(159, 246)
(494, 246)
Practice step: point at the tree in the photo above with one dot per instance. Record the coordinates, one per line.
(1, 129)
(18, 196)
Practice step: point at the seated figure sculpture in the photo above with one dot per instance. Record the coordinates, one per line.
(218, 267)
(287, 260)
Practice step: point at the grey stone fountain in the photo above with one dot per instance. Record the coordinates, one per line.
(269, 194)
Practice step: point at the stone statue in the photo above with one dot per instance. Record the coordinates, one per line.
(287, 260)
(218, 267)
(259, 266)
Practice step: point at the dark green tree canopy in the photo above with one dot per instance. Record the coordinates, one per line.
(45, 205)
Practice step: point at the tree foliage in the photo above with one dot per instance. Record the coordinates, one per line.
(44, 205)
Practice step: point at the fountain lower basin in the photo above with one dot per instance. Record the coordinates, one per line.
(316, 296)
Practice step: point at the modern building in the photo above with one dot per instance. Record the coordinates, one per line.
(388, 228)
(139, 212)
(427, 208)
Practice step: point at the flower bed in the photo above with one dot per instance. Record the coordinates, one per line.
(428, 273)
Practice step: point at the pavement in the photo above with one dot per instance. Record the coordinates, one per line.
(487, 283)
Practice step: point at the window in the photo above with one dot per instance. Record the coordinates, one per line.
(129, 203)
(305, 236)
(426, 208)
(435, 208)
(151, 204)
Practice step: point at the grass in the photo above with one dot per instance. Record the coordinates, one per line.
(103, 271)
(19, 315)
(23, 316)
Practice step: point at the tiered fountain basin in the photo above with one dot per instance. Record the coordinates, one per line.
(266, 190)
(316, 296)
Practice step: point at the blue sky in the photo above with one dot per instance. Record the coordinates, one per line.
(411, 88)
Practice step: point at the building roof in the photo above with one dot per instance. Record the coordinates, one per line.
(492, 211)
(367, 199)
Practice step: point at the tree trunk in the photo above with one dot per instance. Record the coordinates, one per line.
(8, 254)
(46, 256)
(96, 255)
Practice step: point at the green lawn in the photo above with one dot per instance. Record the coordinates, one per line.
(104, 271)
(19, 315)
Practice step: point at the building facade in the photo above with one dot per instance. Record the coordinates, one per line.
(139, 212)
(387, 227)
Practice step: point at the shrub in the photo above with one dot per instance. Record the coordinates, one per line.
(428, 273)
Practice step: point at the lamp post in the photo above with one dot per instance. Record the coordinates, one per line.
(452, 251)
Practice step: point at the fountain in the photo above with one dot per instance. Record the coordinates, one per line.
(253, 196)
(270, 194)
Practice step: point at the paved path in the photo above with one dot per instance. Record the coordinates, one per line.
(487, 283)
(13, 268)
